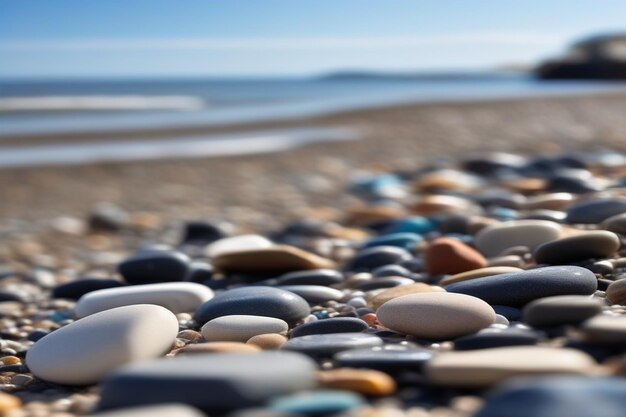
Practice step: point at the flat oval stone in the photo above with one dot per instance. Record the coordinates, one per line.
(237, 243)
(372, 258)
(311, 277)
(511, 313)
(73, 290)
(595, 211)
(570, 396)
(168, 410)
(213, 383)
(616, 224)
(178, 297)
(519, 288)
(451, 256)
(152, 266)
(385, 282)
(616, 291)
(367, 382)
(314, 294)
(402, 240)
(275, 259)
(321, 345)
(86, 350)
(486, 367)
(387, 358)
(478, 273)
(268, 341)
(550, 201)
(493, 240)
(218, 348)
(395, 292)
(441, 315)
(560, 310)
(435, 204)
(240, 328)
(493, 338)
(417, 224)
(255, 301)
(605, 330)
(316, 403)
(597, 244)
(332, 325)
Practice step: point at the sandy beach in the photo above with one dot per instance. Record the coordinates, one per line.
(258, 190)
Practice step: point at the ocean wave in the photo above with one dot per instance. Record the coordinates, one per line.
(99, 103)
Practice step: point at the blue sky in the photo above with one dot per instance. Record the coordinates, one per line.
(156, 38)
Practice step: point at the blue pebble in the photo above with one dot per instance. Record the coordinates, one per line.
(317, 402)
(417, 224)
(403, 240)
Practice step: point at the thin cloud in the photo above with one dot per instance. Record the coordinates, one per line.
(496, 38)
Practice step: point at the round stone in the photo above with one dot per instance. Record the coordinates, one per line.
(595, 211)
(616, 292)
(366, 382)
(597, 244)
(316, 403)
(560, 310)
(493, 338)
(178, 297)
(478, 273)
(605, 330)
(275, 259)
(616, 224)
(388, 358)
(311, 277)
(240, 328)
(332, 325)
(235, 244)
(493, 240)
(402, 240)
(314, 294)
(84, 351)
(519, 288)
(152, 266)
(73, 290)
(212, 383)
(323, 345)
(395, 292)
(372, 258)
(255, 301)
(203, 233)
(451, 256)
(550, 201)
(442, 316)
(268, 341)
(167, 410)
(486, 367)
(218, 347)
(553, 396)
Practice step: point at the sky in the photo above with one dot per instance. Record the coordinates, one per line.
(233, 38)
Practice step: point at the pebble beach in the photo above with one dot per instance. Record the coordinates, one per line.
(456, 260)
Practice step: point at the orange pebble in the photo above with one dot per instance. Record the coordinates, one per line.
(10, 360)
(369, 318)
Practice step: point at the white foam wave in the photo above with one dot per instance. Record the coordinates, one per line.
(99, 103)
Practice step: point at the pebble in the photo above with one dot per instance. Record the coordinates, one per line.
(389, 358)
(493, 240)
(152, 266)
(203, 232)
(519, 288)
(561, 310)
(85, 351)
(212, 383)
(597, 244)
(395, 292)
(316, 403)
(451, 256)
(268, 341)
(366, 382)
(492, 338)
(371, 258)
(8, 403)
(403, 240)
(616, 292)
(605, 330)
(334, 325)
(556, 396)
(478, 273)
(236, 244)
(487, 367)
(324, 345)
(178, 297)
(218, 347)
(167, 410)
(256, 301)
(417, 224)
(275, 259)
(323, 277)
(73, 290)
(441, 315)
(615, 224)
(314, 294)
(595, 211)
(240, 328)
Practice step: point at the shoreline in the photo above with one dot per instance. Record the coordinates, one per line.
(258, 191)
